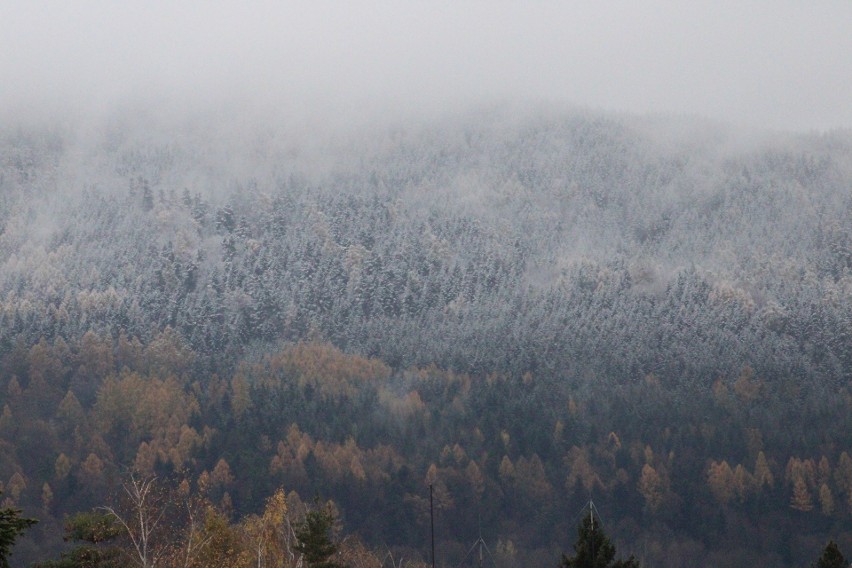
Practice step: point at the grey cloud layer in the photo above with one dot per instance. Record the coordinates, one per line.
(776, 64)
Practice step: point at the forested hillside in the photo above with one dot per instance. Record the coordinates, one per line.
(522, 308)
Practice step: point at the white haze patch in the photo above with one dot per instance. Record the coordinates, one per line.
(773, 64)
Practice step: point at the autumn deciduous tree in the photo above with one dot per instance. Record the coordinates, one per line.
(843, 477)
(826, 500)
(356, 555)
(144, 519)
(223, 544)
(651, 487)
(266, 533)
(720, 478)
(801, 499)
(581, 470)
(762, 474)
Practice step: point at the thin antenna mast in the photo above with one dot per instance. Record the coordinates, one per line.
(594, 536)
(481, 542)
(432, 524)
(592, 515)
(483, 550)
(592, 512)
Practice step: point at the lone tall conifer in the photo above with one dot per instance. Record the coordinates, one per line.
(314, 538)
(593, 549)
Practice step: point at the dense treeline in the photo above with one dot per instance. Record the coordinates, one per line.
(521, 312)
(730, 475)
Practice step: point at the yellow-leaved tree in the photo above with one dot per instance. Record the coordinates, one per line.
(269, 535)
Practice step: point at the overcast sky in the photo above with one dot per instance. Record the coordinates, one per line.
(777, 64)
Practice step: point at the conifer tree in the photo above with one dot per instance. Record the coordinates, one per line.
(12, 525)
(314, 539)
(831, 557)
(593, 549)
(94, 533)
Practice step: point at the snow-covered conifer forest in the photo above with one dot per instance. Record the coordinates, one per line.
(521, 306)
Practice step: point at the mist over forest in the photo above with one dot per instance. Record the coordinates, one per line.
(573, 301)
(560, 243)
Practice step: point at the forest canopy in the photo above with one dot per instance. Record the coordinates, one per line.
(521, 309)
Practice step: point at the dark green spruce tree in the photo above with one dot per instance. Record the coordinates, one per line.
(831, 557)
(12, 525)
(93, 531)
(315, 540)
(593, 549)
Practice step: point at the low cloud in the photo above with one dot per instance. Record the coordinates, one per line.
(771, 64)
